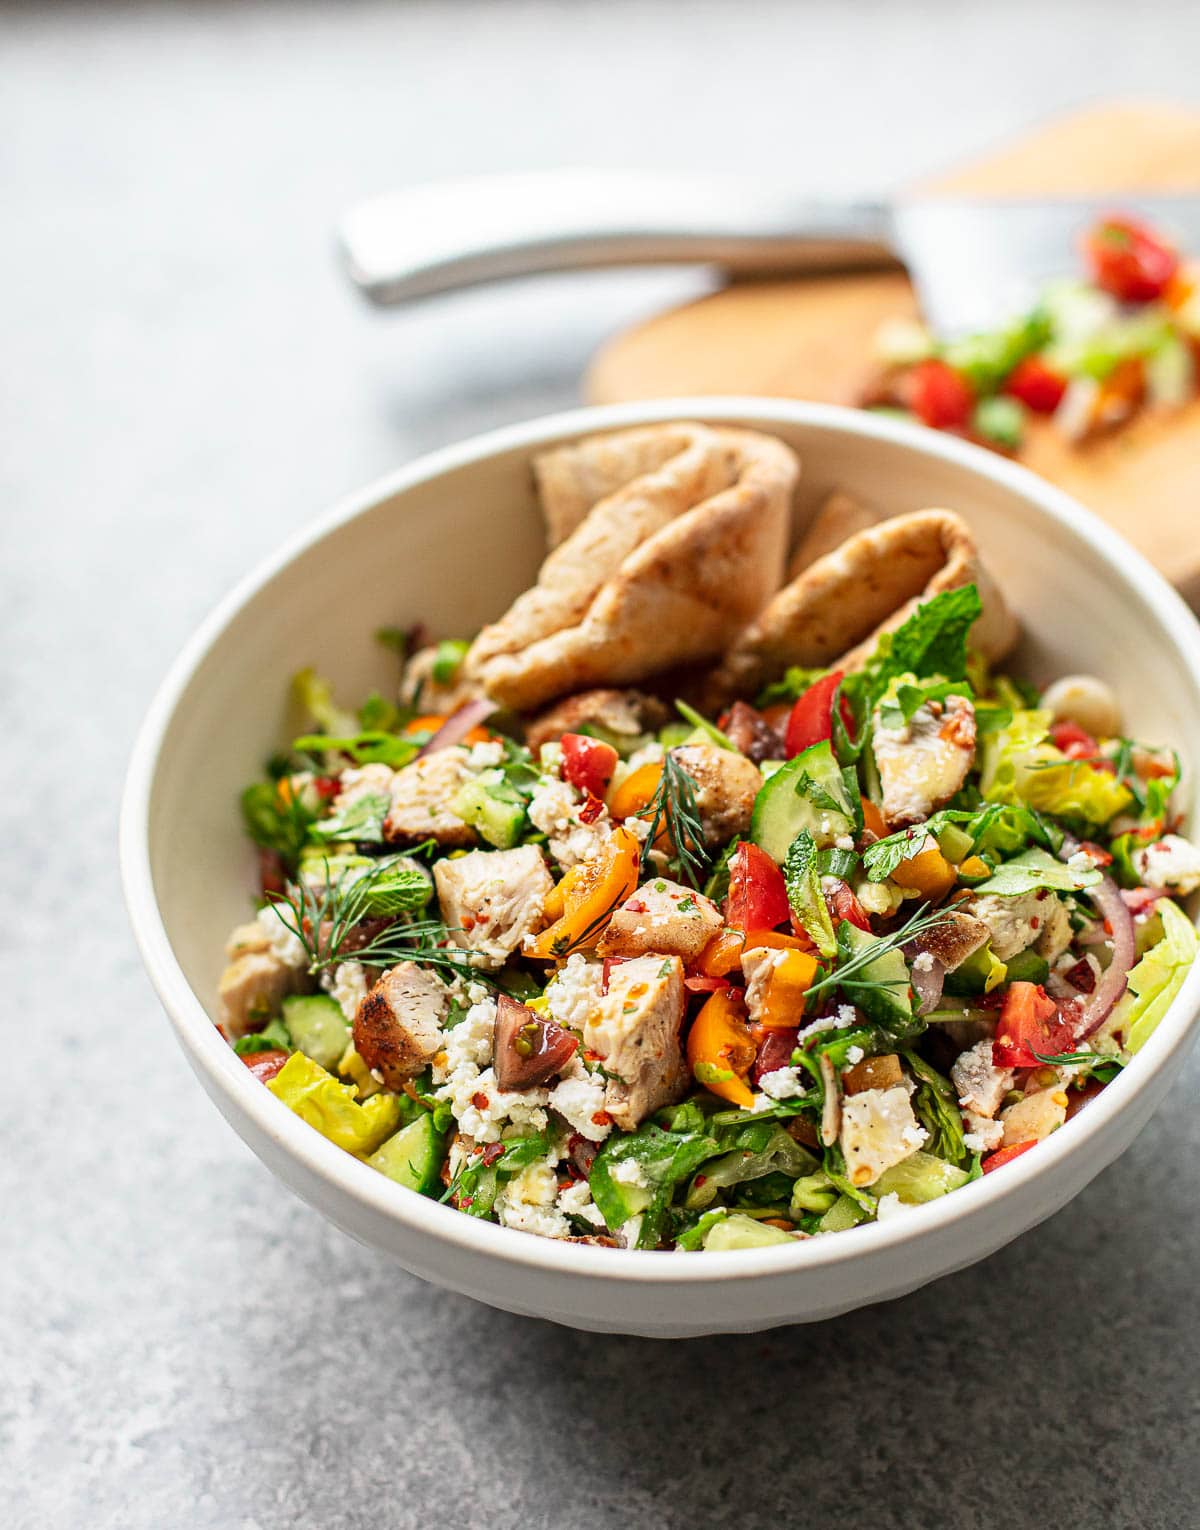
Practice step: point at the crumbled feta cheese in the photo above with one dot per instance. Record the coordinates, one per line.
(854, 1055)
(527, 1201)
(841, 1020)
(467, 1046)
(629, 1172)
(844, 842)
(576, 1201)
(638, 827)
(485, 756)
(783, 1083)
(629, 1231)
(574, 994)
(648, 754)
(347, 983)
(554, 808)
(923, 961)
(579, 1099)
(283, 945)
(890, 1205)
(1171, 863)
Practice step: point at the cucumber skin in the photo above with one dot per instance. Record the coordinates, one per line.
(318, 1027)
(412, 1157)
(780, 813)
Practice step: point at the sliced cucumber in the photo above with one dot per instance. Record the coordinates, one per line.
(318, 1027)
(738, 1231)
(497, 819)
(810, 793)
(413, 1157)
(1027, 967)
(920, 1177)
(890, 1004)
(842, 1214)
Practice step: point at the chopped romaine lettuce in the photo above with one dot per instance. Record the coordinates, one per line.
(758, 1149)
(801, 873)
(330, 1107)
(1156, 980)
(273, 1037)
(1021, 765)
(315, 695)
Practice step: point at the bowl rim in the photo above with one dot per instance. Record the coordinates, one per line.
(224, 1072)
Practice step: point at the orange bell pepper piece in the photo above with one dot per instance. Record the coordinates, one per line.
(635, 792)
(590, 893)
(429, 723)
(723, 953)
(974, 866)
(721, 1050)
(873, 819)
(786, 990)
(928, 873)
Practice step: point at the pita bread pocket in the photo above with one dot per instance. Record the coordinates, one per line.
(835, 611)
(683, 547)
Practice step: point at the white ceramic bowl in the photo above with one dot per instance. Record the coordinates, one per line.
(449, 541)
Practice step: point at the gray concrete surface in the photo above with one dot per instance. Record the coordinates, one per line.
(184, 378)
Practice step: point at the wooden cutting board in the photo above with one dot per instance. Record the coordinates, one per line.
(811, 338)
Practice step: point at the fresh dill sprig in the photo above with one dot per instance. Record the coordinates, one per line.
(847, 975)
(323, 918)
(1070, 1059)
(673, 811)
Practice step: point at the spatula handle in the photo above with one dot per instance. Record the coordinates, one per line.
(425, 240)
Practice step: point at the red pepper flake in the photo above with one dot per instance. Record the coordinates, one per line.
(601, 1118)
(480, 1100)
(1082, 977)
(493, 1151)
(701, 1179)
(591, 809)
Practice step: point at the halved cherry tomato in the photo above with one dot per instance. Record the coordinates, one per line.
(1074, 741)
(758, 897)
(928, 873)
(721, 1050)
(265, 1065)
(588, 763)
(636, 791)
(706, 984)
(940, 396)
(1029, 1024)
(786, 989)
(1129, 260)
(775, 1048)
(588, 896)
(1038, 386)
(811, 718)
(844, 905)
(1004, 1155)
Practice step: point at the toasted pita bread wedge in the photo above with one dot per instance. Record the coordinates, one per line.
(664, 570)
(839, 518)
(836, 610)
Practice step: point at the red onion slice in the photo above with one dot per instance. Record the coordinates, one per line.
(927, 982)
(458, 725)
(1093, 1010)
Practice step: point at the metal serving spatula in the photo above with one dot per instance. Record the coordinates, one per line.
(973, 263)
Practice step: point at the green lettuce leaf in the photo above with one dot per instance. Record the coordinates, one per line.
(1020, 765)
(1156, 980)
(933, 641)
(757, 1149)
(664, 1158)
(936, 1105)
(273, 1037)
(801, 874)
(1034, 869)
(315, 695)
(330, 1107)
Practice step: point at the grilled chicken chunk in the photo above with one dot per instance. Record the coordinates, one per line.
(492, 899)
(255, 982)
(421, 796)
(923, 764)
(398, 1025)
(726, 786)
(635, 1032)
(662, 916)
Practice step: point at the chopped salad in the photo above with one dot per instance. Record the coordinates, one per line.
(1090, 354)
(711, 982)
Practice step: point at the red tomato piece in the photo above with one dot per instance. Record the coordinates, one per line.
(811, 718)
(606, 971)
(1129, 260)
(265, 1065)
(588, 763)
(272, 873)
(757, 895)
(696, 983)
(939, 396)
(1029, 1024)
(844, 905)
(775, 1048)
(1038, 386)
(1074, 741)
(1004, 1155)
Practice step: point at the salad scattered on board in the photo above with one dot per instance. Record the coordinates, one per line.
(1091, 353)
(809, 915)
